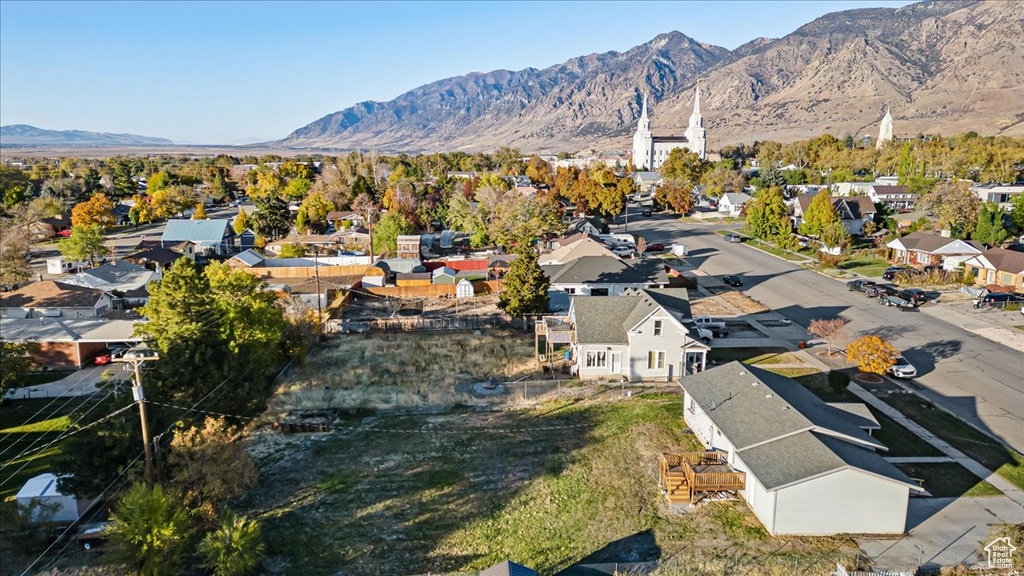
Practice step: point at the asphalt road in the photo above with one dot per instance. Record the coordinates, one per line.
(980, 380)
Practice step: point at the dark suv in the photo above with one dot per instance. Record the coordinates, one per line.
(915, 295)
(999, 300)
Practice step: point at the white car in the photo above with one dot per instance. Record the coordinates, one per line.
(903, 368)
(623, 251)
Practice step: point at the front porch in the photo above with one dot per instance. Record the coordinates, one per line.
(686, 476)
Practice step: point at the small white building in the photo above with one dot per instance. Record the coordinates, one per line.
(811, 467)
(45, 503)
(732, 203)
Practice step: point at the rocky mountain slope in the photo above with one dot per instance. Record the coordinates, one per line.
(17, 135)
(942, 66)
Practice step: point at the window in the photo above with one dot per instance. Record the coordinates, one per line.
(657, 327)
(597, 359)
(1006, 278)
(922, 257)
(693, 405)
(656, 360)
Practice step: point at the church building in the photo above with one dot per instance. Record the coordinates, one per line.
(650, 151)
(885, 130)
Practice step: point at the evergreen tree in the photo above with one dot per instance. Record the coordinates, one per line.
(123, 183)
(91, 181)
(767, 217)
(235, 548)
(271, 218)
(151, 531)
(820, 214)
(525, 287)
(990, 229)
(387, 231)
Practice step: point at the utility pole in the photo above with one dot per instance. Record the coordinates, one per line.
(319, 295)
(136, 356)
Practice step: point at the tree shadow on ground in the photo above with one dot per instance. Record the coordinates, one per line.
(618, 556)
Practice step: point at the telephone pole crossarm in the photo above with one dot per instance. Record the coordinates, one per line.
(136, 357)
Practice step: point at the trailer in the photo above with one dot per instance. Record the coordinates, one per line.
(900, 304)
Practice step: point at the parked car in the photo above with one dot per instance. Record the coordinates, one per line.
(892, 271)
(623, 251)
(89, 535)
(708, 322)
(866, 286)
(656, 247)
(109, 356)
(916, 295)
(734, 238)
(718, 331)
(64, 233)
(999, 300)
(705, 335)
(732, 280)
(882, 290)
(903, 368)
(646, 213)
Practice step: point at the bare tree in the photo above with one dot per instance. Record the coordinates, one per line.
(641, 245)
(828, 330)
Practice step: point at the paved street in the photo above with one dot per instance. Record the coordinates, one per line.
(978, 379)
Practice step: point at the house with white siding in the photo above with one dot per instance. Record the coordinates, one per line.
(811, 467)
(605, 275)
(927, 249)
(640, 335)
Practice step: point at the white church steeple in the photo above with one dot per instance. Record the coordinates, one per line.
(695, 133)
(885, 129)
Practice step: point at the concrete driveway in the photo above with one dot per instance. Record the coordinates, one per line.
(80, 383)
(943, 532)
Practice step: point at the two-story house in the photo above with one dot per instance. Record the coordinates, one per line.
(605, 275)
(640, 335)
(811, 468)
(854, 211)
(897, 198)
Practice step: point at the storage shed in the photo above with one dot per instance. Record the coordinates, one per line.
(47, 504)
(464, 289)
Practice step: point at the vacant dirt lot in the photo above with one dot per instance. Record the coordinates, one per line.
(550, 486)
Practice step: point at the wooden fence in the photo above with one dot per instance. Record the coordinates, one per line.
(307, 271)
(417, 324)
(433, 290)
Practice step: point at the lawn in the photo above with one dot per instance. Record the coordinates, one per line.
(899, 440)
(865, 265)
(550, 486)
(948, 480)
(765, 247)
(748, 355)
(990, 453)
(818, 384)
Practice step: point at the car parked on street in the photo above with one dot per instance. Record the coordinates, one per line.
(656, 247)
(903, 368)
(646, 213)
(734, 238)
(999, 300)
(734, 281)
(866, 286)
(623, 251)
(915, 295)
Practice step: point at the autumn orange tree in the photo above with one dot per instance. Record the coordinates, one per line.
(872, 354)
(94, 211)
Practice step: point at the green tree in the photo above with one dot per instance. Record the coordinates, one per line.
(313, 212)
(767, 217)
(723, 179)
(834, 235)
(235, 548)
(209, 465)
(91, 183)
(1017, 213)
(293, 250)
(14, 185)
(990, 229)
(509, 160)
(85, 243)
(90, 460)
(152, 532)
(683, 168)
(525, 287)
(241, 223)
(820, 214)
(16, 361)
(296, 188)
(123, 184)
(386, 233)
(271, 218)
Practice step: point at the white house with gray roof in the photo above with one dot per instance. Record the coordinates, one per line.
(605, 275)
(812, 468)
(637, 336)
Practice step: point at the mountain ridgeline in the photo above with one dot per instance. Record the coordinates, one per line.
(23, 135)
(943, 67)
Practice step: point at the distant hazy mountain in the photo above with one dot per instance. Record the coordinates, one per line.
(942, 67)
(23, 135)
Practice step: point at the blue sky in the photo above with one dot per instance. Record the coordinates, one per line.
(239, 72)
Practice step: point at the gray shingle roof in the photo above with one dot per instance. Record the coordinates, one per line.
(750, 406)
(595, 270)
(928, 242)
(50, 294)
(608, 319)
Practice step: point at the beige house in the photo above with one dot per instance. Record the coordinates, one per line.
(997, 266)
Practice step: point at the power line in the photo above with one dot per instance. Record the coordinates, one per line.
(41, 436)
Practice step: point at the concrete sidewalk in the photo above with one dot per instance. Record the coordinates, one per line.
(80, 383)
(994, 324)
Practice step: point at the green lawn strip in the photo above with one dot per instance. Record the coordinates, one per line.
(19, 471)
(465, 493)
(865, 265)
(747, 355)
(765, 247)
(899, 440)
(818, 384)
(948, 480)
(990, 453)
(57, 424)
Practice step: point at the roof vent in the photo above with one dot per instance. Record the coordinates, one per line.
(753, 383)
(769, 395)
(742, 373)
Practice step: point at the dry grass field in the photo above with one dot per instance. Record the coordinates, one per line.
(566, 482)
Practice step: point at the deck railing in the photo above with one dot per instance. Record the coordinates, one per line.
(702, 481)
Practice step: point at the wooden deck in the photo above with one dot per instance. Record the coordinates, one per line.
(686, 474)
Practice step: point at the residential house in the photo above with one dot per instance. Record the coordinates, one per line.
(68, 341)
(154, 258)
(1002, 194)
(345, 219)
(732, 203)
(47, 228)
(811, 468)
(646, 182)
(209, 236)
(50, 299)
(897, 198)
(122, 214)
(580, 247)
(854, 211)
(589, 225)
(928, 249)
(640, 335)
(313, 242)
(604, 276)
(997, 266)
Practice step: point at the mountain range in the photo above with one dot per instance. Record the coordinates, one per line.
(942, 67)
(23, 135)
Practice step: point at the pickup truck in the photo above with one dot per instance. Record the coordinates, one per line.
(705, 335)
(866, 286)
